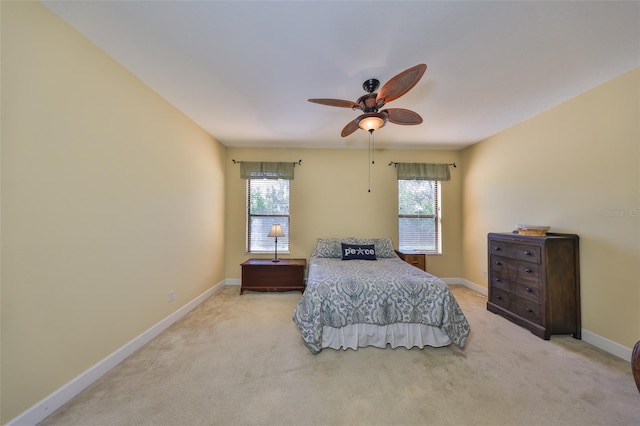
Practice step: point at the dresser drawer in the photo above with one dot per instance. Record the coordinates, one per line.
(501, 298)
(501, 281)
(528, 271)
(528, 310)
(515, 251)
(524, 252)
(528, 290)
(499, 265)
(499, 248)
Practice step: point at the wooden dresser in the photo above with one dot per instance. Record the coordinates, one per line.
(535, 282)
(417, 259)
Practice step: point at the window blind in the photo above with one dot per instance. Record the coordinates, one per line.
(419, 215)
(267, 204)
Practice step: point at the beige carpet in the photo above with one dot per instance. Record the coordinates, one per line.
(239, 360)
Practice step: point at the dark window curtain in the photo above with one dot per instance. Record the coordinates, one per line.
(423, 171)
(265, 170)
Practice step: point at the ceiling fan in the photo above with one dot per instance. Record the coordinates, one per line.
(370, 104)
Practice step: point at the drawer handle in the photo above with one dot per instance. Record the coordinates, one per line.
(529, 310)
(498, 263)
(499, 297)
(527, 253)
(496, 248)
(527, 270)
(528, 289)
(498, 280)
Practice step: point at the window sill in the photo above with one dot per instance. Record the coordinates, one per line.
(271, 253)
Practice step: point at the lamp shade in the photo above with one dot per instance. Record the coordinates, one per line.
(276, 231)
(372, 121)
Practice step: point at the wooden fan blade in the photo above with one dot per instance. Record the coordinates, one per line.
(400, 84)
(336, 103)
(351, 127)
(402, 116)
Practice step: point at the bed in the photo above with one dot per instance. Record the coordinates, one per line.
(360, 293)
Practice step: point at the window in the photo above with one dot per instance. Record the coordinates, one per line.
(419, 215)
(267, 203)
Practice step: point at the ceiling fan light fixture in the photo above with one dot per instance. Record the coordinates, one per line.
(370, 104)
(371, 122)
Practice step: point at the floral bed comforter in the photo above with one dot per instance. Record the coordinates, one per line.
(382, 291)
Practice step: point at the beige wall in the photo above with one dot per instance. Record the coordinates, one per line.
(575, 168)
(330, 198)
(110, 199)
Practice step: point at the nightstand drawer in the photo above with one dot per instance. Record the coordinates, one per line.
(418, 260)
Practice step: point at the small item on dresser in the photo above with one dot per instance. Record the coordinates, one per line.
(534, 230)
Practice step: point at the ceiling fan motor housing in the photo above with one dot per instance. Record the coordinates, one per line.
(368, 102)
(371, 85)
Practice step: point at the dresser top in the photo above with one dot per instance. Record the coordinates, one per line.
(270, 262)
(519, 237)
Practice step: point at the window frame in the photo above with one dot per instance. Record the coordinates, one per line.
(436, 217)
(283, 219)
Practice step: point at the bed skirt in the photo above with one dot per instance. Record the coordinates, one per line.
(407, 335)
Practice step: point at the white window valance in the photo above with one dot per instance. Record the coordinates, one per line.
(423, 171)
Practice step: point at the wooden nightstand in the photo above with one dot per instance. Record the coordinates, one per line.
(266, 275)
(419, 260)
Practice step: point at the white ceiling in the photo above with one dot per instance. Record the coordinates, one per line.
(243, 70)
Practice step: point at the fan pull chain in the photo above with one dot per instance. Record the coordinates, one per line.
(372, 147)
(371, 155)
(369, 161)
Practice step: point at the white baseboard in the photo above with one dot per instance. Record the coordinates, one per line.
(469, 284)
(593, 339)
(233, 281)
(607, 345)
(48, 405)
